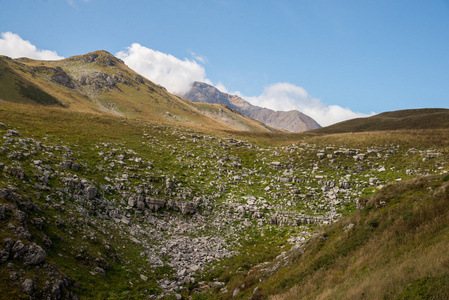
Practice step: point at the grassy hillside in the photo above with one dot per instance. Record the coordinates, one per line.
(102, 206)
(429, 118)
(391, 248)
(100, 83)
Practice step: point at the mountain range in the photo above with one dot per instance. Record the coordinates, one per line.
(98, 82)
(293, 121)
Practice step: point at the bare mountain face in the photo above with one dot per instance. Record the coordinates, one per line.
(293, 121)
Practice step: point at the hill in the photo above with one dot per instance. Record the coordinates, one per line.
(293, 121)
(427, 118)
(100, 83)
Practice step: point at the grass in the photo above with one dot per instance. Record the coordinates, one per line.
(357, 257)
(393, 250)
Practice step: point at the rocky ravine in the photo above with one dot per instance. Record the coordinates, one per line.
(172, 209)
(293, 121)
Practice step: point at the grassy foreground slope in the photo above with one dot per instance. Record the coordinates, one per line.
(124, 208)
(392, 247)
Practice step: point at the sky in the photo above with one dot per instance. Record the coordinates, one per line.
(332, 60)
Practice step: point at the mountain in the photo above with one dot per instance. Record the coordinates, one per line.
(426, 118)
(293, 121)
(98, 82)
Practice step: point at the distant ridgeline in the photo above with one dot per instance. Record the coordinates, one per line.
(293, 121)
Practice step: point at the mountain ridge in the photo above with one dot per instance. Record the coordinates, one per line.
(99, 82)
(293, 121)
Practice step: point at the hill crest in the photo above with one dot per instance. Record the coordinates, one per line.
(424, 118)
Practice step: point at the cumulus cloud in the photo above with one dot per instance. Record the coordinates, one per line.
(14, 46)
(286, 96)
(220, 86)
(174, 74)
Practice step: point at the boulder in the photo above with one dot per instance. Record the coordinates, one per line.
(155, 204)
(28, 286)
(188, 208)
(91, 192)
(35, 255)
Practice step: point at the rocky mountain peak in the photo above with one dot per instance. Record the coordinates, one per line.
(293, 121)
(100, 57)
(205, 93)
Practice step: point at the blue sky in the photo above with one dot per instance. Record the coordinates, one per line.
(331, 59)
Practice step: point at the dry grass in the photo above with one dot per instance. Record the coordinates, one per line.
(396, 248)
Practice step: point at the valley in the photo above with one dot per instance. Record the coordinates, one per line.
(102, 206)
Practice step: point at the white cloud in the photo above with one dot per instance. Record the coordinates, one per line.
(220, 86)
(198, 57)
(14, 46)
(73, 3)
(172, 73)
(286, 96)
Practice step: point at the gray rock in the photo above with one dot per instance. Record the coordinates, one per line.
(38, 222)
(11, 132)
(16, 172)
(132, 201)
(321, 155)
(61, 77)
(275, 165)
(35, 255)
(155, 204)
(28, 286)
(188, 208)
(138, 79)
(15, 155)
(4, 255)
(19, 249)
(3, 210)
(143, 277)
(56, 289)
(91, 58)
(20, 216)
(91, 192)
(13, 276)
(100, 271)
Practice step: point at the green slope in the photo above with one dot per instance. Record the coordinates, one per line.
(429, 118)
(391, 248)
